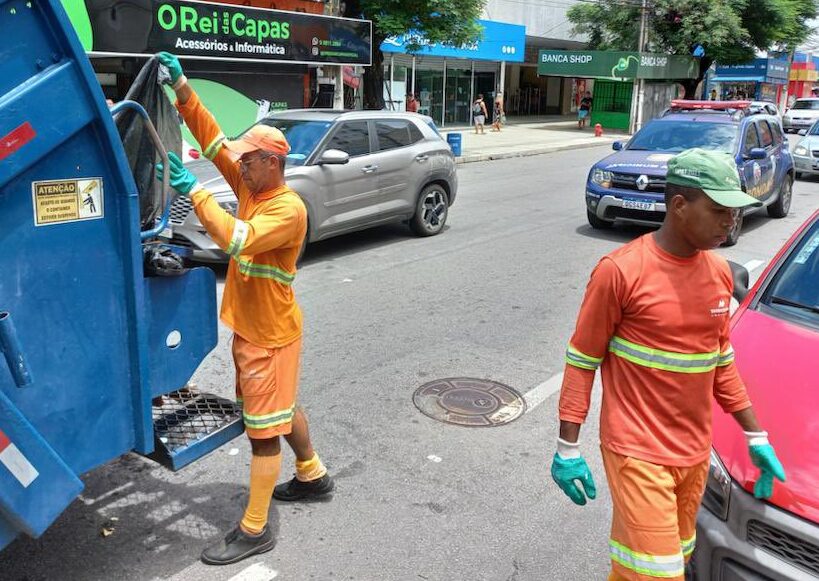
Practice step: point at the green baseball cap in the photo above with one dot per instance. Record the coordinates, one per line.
(713, 172)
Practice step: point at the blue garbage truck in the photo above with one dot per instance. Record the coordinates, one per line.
(96, 354)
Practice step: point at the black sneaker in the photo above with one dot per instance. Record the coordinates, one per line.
(238, 545)
(298, 490)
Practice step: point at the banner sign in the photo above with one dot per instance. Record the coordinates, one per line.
(229, 32)
(500, 42)
(589, 64)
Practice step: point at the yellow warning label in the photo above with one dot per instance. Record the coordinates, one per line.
(60, 201)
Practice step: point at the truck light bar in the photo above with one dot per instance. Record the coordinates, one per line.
(683, 104)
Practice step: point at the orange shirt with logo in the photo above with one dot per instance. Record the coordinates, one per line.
(658, 327)
(263, 242)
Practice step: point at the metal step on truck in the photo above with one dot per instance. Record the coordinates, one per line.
(96, 354)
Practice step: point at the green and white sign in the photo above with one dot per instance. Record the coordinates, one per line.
(591, 64)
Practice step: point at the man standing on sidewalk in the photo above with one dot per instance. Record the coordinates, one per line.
(656, 318)
(479, 114)
(263, 243)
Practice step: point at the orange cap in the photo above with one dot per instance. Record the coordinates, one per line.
(261, 137)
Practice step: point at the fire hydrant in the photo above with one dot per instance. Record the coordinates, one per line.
(598, 130)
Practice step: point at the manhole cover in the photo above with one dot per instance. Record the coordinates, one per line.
(469, 402)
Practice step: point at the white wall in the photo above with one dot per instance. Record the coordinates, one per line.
(542, 18)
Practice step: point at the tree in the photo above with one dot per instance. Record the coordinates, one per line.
(452, 22)
(730, 31)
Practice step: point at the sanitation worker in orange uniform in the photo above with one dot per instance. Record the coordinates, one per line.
(655, 320)
(263, 242)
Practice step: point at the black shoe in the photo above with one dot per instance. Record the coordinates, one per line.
(238, 545)
(298, 490)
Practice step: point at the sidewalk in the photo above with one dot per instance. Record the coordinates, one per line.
(524, 139)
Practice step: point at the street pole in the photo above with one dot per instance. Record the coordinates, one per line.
(641, 93)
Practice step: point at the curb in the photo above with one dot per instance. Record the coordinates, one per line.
(474, 157)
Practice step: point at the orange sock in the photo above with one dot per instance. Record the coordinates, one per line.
(311, 469)
(264, 472)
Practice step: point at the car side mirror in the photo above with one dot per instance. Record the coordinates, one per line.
(333, 157)
(756, 153)
(617, 145)
(742, 280)
(803, 132)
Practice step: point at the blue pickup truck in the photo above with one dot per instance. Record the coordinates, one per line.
(629, 185)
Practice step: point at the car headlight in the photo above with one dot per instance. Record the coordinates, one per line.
(601, 177)
(717, 488)
(800, 150)
(229, 207)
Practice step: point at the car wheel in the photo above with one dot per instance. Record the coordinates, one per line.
(431, 211)
(782, 205)
(598, 223)
(733, 235)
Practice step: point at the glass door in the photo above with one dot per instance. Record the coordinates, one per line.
(457, 103)
(429, 85)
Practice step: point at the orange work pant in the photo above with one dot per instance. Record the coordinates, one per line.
(654, 524)
(267, 382)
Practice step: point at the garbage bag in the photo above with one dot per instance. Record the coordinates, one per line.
(158, 260)
(142, 155)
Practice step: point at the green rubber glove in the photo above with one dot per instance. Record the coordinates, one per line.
(170, 61)
(566, 470)
(764, 458)
(180, 177)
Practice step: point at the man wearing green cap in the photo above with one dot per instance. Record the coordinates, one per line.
(655, 320)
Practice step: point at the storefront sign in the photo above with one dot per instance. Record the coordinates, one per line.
(218, 31)
(761, 70)
(589, 64)
(500, 42)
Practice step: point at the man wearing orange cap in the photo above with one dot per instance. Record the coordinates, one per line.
(263, 242)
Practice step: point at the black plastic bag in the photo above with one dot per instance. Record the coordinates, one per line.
(142, 155)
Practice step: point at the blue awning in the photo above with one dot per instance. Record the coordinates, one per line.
(738, 79)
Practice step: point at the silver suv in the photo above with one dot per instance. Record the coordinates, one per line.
(353, 169)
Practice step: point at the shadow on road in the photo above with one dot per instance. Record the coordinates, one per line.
(155, 528)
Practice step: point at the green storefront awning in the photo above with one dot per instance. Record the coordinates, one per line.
(594, 64)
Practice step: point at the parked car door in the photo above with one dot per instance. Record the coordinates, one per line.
(347, 195)
(399, 161)
(768, 182)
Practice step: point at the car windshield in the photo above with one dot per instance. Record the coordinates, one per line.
(806, 104)
(794, 291)
(681, 135)
(814, 129)
(302, 135)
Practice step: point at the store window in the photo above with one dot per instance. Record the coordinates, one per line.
(429, 85)
(352, 137)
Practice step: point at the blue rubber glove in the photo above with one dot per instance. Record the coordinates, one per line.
(180, 177)
(566, 470)
(764, 457)
(172, 63)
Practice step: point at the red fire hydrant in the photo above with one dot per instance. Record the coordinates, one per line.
(598, 130)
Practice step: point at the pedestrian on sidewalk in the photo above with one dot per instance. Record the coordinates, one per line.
(497, 113)
(479, 114)
(655, 319)
(585, 110)
(263, 242)
(412, 103)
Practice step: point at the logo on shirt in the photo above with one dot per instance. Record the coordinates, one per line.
(721, 309)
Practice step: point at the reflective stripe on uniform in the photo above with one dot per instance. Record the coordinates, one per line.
(249, 268)
(213, 147)
(268, 420)
(237, 242)
(665, 360)
(726, 357)
(660, 566)
(687, 546)
(581, 360)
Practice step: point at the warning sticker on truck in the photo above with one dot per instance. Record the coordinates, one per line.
(61, 201)
(12, 458)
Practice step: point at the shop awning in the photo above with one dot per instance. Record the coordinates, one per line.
(738, 79)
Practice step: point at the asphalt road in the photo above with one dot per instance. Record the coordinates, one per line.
(493, 297)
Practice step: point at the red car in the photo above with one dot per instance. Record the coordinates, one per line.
(775, 334)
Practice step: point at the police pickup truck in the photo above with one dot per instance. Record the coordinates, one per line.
(629, 185)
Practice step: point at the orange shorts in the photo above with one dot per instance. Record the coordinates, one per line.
(654, 526)
(267, 382)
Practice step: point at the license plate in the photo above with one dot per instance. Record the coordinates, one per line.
(637, 205)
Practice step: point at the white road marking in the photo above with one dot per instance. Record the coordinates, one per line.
(540, 393)
(117, 490)
(256, 572)
(434, 458)
(752, 265)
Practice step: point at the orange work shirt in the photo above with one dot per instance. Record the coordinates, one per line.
(658, 327)
(263, 242)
